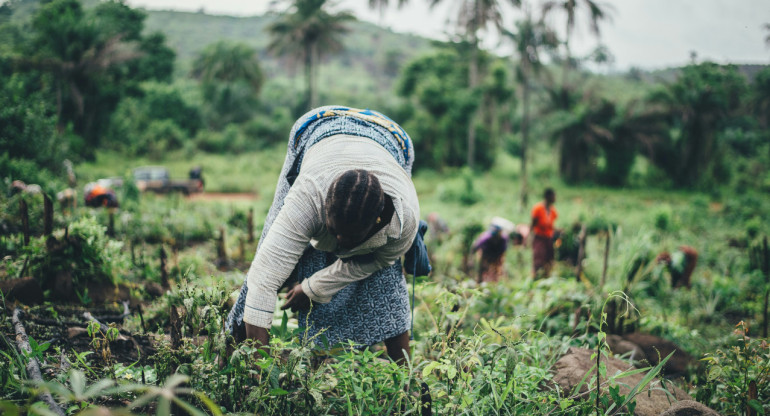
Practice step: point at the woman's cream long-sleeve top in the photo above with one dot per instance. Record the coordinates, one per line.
(302, 220)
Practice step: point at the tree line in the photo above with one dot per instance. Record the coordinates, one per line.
(76, 79)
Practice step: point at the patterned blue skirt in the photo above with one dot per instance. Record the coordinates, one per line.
(373, 309)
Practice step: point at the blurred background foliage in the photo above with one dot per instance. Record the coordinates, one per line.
(79, 78)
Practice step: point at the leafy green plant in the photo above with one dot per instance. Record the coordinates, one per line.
(172, 392)
(36, 350)
(663, 218)
(101, 339)
(12, 369)
(78, 394)
(738, 378)
(463, 191)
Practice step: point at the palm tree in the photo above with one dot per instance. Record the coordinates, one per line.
(596, 13)
(381, 5)
(474, 16)
(698, 105)
(530, 38)
(81, 57)
(230, 78)
(760, 97)
(306, 31)
(767, 38)
(575, 126)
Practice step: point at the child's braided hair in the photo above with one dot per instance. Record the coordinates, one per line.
(354, 201)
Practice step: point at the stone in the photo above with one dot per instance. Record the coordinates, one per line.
(620, 346)
(75, 331)
(689, 408)
(656, 348)
(571, 368)
(26, 290)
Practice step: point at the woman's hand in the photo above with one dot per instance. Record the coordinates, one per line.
(296, 299)
(261, 335)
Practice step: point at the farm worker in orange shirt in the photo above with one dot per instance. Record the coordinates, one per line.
(543, 216)
(100, 196)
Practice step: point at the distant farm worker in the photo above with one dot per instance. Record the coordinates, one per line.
(492, 244)
(543, 217)
(519, 235)
(680, 264)
(100, 196)
(197, 173)
(345, 210)
(439, 229)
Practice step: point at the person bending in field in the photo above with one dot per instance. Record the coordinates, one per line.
(543, 217)
(680, 264)
(345, 210)
(492, 243)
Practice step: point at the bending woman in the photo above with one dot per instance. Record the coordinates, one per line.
(345, 210)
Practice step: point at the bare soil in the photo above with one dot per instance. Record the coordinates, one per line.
(223, 196)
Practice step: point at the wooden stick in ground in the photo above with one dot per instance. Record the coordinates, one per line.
(250, 225)
(766, 270)
(606, 258)
(141, 318)
(24, 212)
(163, 272)
(176, 324)
(111, 222)
(33, 367)
(221, 248)
(581, 251)
(47, 215)
(752, 395)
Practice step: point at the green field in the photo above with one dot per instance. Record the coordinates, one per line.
(121, 310)
(519, 322)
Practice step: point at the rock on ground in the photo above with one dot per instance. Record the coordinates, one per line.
(26, 290)
(656, 348)
(620, 346)
(650, 401)
(689, 408)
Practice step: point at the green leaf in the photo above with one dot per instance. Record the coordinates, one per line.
(284, 324)
(77, 383)
(8, 408)
(615, 393)
(278, 392)
(213, 407)
(187, 407)
(98, 388)
(429, 368)
(714, 373)
(646, 380)
(451, 372)
(756, 405)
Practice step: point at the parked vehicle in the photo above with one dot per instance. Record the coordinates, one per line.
(157, 179)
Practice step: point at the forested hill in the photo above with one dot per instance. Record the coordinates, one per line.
(371, 48)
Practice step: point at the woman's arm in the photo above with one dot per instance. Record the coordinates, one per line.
(321, 286)
(278, 254)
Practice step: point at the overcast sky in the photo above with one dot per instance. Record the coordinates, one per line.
(643, 33)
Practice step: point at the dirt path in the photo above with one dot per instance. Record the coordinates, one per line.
(220, 196)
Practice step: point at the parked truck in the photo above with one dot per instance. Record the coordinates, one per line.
(157, 179)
